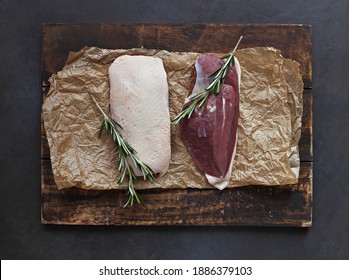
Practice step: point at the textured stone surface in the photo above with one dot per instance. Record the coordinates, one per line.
(22, 235)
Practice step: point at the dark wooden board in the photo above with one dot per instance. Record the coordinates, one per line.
(293, 40)
(289, 205)
(282, 205)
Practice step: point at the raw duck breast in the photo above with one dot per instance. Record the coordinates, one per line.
(210, 135)
(139, 103)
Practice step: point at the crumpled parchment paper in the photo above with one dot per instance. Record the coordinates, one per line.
(268, 133)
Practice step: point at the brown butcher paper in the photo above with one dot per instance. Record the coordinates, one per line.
(268, 132)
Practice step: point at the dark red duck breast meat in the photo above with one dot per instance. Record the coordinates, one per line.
(210, 133)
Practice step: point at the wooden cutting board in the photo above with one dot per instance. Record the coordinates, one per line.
(289, 205)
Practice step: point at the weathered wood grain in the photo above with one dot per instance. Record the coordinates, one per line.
(254, 205)
(289, 205)
(58, 39)
(306, 141)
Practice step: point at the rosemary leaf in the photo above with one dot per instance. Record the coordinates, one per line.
(125, 151)
(101, 129)
(200, 99)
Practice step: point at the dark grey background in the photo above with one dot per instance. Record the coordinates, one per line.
(21, 234)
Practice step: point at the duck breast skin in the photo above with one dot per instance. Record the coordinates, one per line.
(139, 103)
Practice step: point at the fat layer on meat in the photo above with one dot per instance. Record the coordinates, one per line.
(139, 103)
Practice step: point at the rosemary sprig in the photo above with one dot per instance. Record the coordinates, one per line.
(200, 99)
(125, 151)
